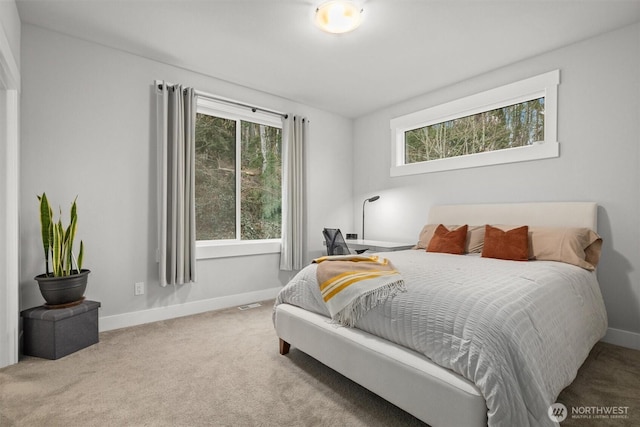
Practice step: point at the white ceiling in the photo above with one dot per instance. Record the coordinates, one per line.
(403, 47)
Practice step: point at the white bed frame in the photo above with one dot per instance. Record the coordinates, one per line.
(406, 378)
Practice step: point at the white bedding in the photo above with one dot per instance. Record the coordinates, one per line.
(518, 330)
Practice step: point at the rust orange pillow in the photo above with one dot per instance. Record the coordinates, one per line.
(511, 245)
(448, 241)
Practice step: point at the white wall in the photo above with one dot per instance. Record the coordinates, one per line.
(598, 129)
(9, 179)
(10, 26)
(87, 130)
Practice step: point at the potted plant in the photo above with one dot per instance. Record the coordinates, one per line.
(62, 285)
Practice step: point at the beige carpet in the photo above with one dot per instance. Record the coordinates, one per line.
(223, 369)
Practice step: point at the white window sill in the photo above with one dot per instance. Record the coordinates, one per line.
(206, 249)
(537, 151)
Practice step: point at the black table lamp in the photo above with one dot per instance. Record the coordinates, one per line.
(372, 199)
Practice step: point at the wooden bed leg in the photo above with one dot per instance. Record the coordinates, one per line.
(284, 346)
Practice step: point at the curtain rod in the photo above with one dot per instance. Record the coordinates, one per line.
(240, 104)
(229, 101)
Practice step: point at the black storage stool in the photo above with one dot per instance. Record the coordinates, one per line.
(55, 333)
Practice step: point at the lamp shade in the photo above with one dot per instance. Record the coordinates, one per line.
(338, 16)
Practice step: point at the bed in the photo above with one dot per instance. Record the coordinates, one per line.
(493, 341)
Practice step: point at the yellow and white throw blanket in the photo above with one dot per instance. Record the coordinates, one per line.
(352, 284)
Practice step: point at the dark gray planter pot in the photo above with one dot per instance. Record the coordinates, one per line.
(63, 290)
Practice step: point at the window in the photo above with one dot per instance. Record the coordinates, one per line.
(512, 123)
(238, 180)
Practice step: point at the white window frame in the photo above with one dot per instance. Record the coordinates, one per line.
(223, 248)
(544, 85)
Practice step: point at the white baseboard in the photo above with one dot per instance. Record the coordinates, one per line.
(117, 321)
(622, 338)
(107, 323)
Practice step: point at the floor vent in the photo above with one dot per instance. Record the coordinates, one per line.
(248, 306)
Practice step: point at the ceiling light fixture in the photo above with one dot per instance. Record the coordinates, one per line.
(338, 16)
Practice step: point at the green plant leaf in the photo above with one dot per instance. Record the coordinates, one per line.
(45, 227)
(73, 226)
(56, 249)
(51, 226)
(80, 256)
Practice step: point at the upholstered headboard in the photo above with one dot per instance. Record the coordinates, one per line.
(544, 214)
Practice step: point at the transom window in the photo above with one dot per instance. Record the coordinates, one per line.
(238, 174)
(512, 123)
(515, 125)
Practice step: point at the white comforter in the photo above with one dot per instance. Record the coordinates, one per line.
(518, 330)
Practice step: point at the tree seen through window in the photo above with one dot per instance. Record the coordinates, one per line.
(219, 141)
(515, 125)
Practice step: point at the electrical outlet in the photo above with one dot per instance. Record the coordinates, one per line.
(138, 288)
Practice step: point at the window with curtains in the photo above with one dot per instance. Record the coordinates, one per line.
(238, 175)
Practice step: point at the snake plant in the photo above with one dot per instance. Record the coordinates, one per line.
(57, 241)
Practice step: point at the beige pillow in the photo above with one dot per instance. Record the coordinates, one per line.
(473, 244)
(475, 239)
(577, 246)
(426, 234)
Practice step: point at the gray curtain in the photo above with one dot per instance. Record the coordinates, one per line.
(293, 141)
(176, 108)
